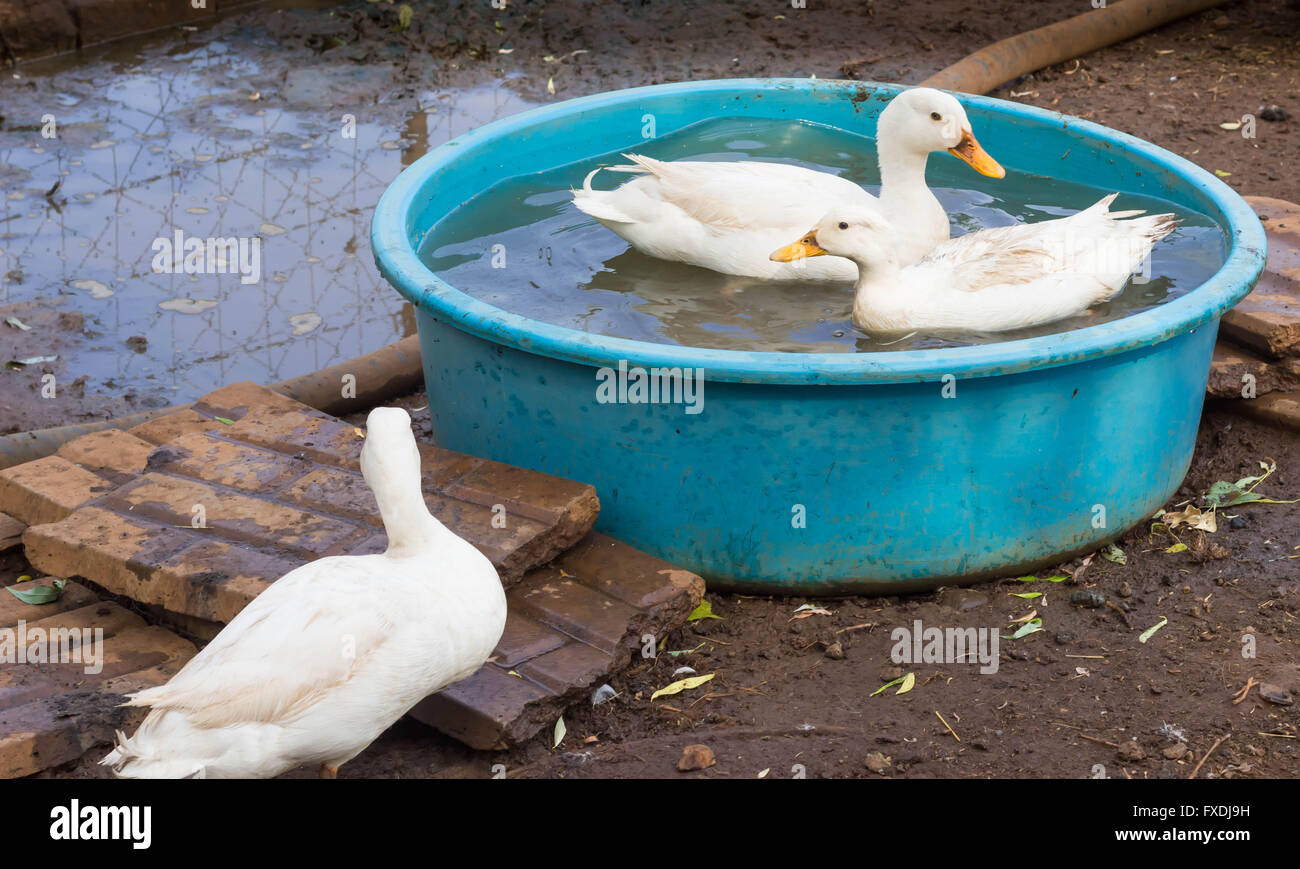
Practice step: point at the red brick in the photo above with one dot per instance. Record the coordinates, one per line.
(235, 516)
(52, 713)
(1278, 408)
(47, 489)
(167, 427)
(227, 463)
(12, 609)
(1268, 319)
(640, 580)
(109, 452)
(177, 569)
(489, 710)
(316, 436)
(1230, 365)
(235, 400)
(576, 609)
(524, 492)
(573, 665)
(523, 639)
(119, 553)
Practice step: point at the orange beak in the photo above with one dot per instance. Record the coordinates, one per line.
(801, 249)
(969, 151)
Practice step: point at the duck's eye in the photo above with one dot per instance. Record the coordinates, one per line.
(843, 225)
(935, 116)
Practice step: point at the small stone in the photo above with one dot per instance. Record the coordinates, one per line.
(877, 762)
(1273, 113)
(1125, 590)
(1236, 523)
(1175, 751)
(889, 674)
(1156, 689)
(1222, 21)
(835, 651)
(1131, 751)
(1063, 638)
(138, 343)
(1276, 694)
(696, 757)
(1087, 597)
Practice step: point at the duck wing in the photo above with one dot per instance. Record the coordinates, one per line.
(302, 637)
(1095, 243)
(722, 195)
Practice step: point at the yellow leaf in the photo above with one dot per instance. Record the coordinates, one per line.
(681, 685)
(550, 85)
(909, 682)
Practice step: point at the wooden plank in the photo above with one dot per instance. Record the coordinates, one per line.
(1268, 319)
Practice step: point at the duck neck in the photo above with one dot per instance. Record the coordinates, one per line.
(875, 280)
(411, 528)
(902, 175)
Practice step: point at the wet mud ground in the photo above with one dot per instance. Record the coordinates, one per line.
(1065, 701)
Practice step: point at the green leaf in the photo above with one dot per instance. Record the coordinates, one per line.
(17, 324)
(1030, 627)
(1177, 547)
(888, 684)
(1149, 632)
(1044, 579)
(703, 611)
(223, 420)
(1115, 554)
(560, 730)
(40, 594)
(1027, 595)
(1225, 494)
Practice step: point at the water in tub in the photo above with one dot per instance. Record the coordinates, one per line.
(522, 246)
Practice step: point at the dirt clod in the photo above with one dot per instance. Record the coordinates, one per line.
(878, 762)
(696, 757)
(1131, 751)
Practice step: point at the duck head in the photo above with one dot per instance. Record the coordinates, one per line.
(855, 234)
(924, 120)
(390, 462)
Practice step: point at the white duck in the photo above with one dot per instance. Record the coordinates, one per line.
(988, 281)
(729, 216)
(333, 653)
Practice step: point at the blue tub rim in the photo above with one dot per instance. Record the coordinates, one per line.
(398, 262)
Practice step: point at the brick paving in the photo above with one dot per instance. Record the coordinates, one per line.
(52, 713)
(193, 514)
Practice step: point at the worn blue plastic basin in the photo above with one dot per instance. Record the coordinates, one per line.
(1049, 446)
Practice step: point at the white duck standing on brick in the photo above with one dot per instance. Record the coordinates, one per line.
(333, 653)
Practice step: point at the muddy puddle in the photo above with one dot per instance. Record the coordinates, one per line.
(202, 199)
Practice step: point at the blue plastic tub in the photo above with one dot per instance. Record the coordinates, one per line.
(1049, 447)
